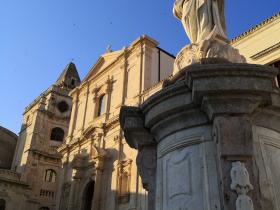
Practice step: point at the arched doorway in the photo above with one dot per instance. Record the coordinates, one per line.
(2, 204)
(88, 196)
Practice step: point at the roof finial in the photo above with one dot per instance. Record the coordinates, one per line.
(109, 49)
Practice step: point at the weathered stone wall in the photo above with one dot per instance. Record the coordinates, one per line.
(8, 141)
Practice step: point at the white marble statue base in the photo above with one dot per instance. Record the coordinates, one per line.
(211, 48)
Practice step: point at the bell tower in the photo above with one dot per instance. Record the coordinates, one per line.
(45, 124)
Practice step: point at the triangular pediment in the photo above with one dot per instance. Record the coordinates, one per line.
(102, 63)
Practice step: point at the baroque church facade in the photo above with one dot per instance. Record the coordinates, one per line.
(71, 152)
(99, 169)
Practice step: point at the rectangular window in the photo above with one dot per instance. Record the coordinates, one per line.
(101, 105)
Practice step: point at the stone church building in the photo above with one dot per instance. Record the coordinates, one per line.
(99, 170)
(71, 153)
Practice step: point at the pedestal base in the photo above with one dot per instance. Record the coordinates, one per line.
(213, 48)
(215, 133)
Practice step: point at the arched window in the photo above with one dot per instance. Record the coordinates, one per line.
(2, 204)
(50, 175)
(101, 105)
(57, 134)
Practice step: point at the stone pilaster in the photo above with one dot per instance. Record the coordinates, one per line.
(95, 100)
(75, 113)
(98, 181)
(109, 89)
(86, 105)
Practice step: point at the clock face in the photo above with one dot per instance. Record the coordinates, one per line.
(62, 106)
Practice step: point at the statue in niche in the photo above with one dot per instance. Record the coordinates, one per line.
(204, 23)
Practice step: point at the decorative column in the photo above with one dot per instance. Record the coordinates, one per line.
(99, 157)
(95, 100)
(198, 146)
(75, 112)
(124, 67)
(86, 105)
(109, 89)
(72, 205)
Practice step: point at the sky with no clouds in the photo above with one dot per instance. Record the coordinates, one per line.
(39, 37)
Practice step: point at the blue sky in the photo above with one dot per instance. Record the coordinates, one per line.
(39, 37)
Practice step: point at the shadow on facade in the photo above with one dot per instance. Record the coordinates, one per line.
(99, 180)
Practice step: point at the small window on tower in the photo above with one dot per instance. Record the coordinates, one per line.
(72, 82)
(57, 134)
(63, 106)
(50, 175)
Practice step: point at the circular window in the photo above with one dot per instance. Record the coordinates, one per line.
(62, 106)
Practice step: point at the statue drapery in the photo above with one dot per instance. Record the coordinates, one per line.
(202, 19)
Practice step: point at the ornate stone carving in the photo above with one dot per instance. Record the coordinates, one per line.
(207, 49)
(109, 84)
(138, 137)
(240, 182)
(124, 171)
(146, 163)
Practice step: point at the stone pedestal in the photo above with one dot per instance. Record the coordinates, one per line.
(210, 139)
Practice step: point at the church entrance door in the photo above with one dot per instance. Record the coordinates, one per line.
(88, 196)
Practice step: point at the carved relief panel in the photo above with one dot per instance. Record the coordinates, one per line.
(182, 180)
(187, 176)
(267, 150)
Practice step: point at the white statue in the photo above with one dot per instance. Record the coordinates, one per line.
(201, 19)
(204, 23)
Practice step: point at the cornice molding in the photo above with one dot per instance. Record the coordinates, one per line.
(255, 28)
(265, 51)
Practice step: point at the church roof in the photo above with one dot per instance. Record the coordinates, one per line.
(256, 28)
(69, 77)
